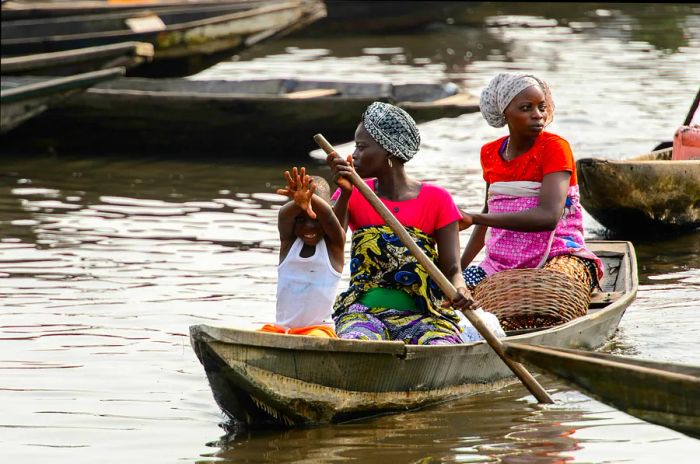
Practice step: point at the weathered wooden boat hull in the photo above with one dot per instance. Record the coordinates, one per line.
(81, 60)
(22, 102)
(264, 379)
(648, 194)
(372, 16)
(186, 39)
(225, 118)
(662, 393)
(13, 10)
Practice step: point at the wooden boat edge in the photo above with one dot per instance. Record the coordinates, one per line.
(666, 397)
(61, 84)
(538, 355)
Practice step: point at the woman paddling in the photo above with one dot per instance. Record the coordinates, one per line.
(391, 296)
(532, 209)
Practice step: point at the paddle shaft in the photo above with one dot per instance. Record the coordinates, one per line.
(448, 289)
(692, 110)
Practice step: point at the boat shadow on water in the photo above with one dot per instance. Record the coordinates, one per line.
(492, 425)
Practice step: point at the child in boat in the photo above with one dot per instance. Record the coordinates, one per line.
(312, 247)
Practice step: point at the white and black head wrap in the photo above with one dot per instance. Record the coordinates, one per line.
(393, 129)
(501, 91)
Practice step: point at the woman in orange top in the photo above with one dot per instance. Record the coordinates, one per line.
(532, 210)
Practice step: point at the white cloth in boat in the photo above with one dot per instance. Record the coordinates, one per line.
(470, 334)
(520, 188)
(306, 287)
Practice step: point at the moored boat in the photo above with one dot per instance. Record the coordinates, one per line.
(186, 39)
(660, 392)
(33, 9)
(642, 195)
(264, 379)
(227, 118)
(68, 62)
(21, 102)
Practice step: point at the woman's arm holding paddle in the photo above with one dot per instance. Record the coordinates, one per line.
(338, 165)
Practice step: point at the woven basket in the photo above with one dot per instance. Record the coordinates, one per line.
(532, 298)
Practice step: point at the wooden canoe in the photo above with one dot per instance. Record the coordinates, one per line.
(659, 392)
(20, 103)
(186, 39)
(31, 9)
(647, 194)
(264, 379)
(81, 60)
(227, 118)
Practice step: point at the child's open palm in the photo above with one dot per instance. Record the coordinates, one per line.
(300, 188)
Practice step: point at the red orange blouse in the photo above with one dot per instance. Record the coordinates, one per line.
(550, 153)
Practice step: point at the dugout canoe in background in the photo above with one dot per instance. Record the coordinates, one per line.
(35, 9)
(226, 118)
(68, 62)
(645, 195)
(266, 379)
(660, 392)
(22, 101)
(186, 39)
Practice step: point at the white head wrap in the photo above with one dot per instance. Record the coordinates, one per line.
(393, 129)
(501, 91)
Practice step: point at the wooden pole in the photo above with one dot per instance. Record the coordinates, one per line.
(448, 289)
(692, 109)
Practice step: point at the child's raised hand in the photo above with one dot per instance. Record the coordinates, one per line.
(300, 188)
(291, 187)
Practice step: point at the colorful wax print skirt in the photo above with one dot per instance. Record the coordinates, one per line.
(380, 260)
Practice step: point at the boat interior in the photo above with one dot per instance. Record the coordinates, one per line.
(612, 287)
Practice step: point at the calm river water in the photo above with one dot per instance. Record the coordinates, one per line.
(106, 262)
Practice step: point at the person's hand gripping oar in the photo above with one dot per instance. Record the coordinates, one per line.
(445, 285)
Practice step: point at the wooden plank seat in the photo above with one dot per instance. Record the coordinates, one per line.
(312, 93)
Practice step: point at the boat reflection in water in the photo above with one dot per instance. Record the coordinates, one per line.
(493, 427)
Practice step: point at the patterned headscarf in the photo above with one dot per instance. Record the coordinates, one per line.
(393, 129)
(501, 91)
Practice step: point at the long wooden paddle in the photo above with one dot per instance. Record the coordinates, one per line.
(693, 107)
(448, 289)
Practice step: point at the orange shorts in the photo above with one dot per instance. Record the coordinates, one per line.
(312, 330)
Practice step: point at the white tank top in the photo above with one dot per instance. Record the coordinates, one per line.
(306, 287)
